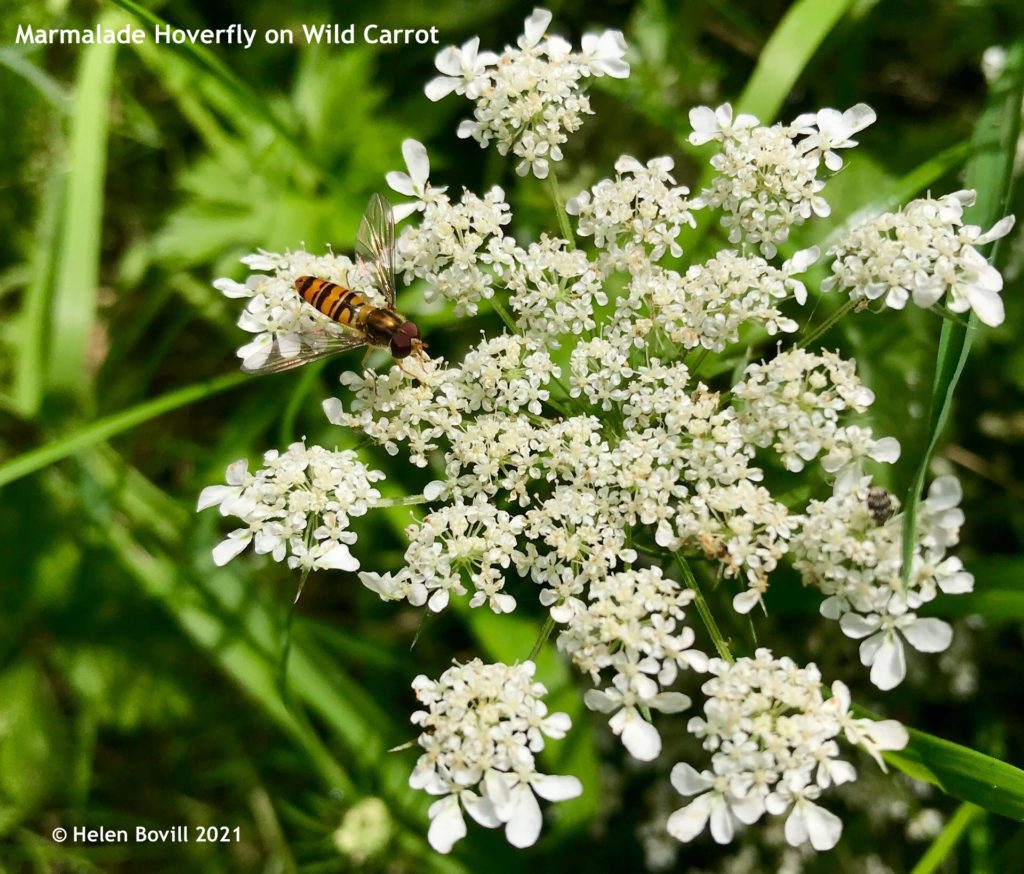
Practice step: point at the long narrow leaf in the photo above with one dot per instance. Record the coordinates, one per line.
(30, 369)
(74, 300)
(787, 53)
(116, 423)
(963, 773)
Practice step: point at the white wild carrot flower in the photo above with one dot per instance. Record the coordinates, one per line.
(296, 507)
(925, 254)
(483, 726)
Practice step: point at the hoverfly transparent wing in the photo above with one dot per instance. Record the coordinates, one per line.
(375, 246)
(315, 345)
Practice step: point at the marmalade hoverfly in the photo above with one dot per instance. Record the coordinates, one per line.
(380, 327)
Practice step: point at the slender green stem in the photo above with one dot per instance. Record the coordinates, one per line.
(828, 323)
(563, 217)
(545, 633)
(698, 361)
(407, 501)
(948, 838)
(505, 317)
(704, 611)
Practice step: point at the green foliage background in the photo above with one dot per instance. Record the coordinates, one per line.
(138, 683)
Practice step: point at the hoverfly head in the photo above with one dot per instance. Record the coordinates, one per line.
(405, 341)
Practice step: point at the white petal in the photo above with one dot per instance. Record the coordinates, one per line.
(230, 288)
(402, 211)
(687, 780)
(723, 826)
(440, 87)
(212, 496)
(888, 734)
(434, 489)
(639, 737)
(670, 702)
(746, 601)
(796, 827)
(523, 828)
(1000, 229)
(597, 700)
(987, 304)
(334, 411)
(856, 626)
(890, 664)
(535, 26)
(824, 828)
(944, 493)
(497, 789)
(481, 809)
(338, 558)
(415, 154)
(227, 549)
(886, 450)
(556, 788)
(688, 822)
(749, 809)
(449, 60)
(400, 182)
(928, 635)
(446, 825)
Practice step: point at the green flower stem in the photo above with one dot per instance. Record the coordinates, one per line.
(407, 501)
(545, 633)
(828, 323)
(505, 317)
(563, 217)
(705, 612)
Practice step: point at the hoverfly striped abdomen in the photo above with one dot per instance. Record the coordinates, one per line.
(340, 304)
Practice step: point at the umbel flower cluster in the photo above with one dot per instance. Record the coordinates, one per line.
(483, 726)
(608, 451)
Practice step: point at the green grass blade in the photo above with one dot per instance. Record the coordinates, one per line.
(77, 271)
(248, 101)
(786, 54)
(30, 370)
(990, 173)
(102, 429)
(966, 814)
(963, 773)
(17, 62)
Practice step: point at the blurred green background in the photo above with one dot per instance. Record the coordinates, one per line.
(138, 682)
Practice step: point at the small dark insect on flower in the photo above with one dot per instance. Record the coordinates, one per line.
(881, 504)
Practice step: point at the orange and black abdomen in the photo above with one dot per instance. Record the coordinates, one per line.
(341, 304)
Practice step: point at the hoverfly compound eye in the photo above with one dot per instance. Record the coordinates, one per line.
(404, 340)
